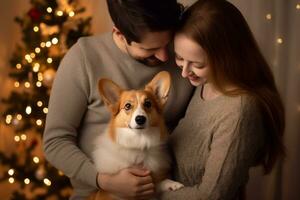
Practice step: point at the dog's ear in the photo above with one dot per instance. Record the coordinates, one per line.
(110, 93)
(160, 86)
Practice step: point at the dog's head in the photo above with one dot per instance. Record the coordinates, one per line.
(136, 113)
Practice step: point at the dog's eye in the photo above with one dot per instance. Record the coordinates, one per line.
(127, 106)
(147, 104)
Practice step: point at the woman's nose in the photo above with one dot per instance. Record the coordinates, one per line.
(185, 69)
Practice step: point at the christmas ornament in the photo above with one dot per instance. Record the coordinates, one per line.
(34, 14)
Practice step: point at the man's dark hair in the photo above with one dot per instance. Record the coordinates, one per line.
(135, 17)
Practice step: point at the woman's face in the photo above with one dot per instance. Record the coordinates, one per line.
(192, 59)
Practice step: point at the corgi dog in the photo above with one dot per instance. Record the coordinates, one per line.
(136, 134)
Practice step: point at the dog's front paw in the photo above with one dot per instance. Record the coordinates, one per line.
(169, 185)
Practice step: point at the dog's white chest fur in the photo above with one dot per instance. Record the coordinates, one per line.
(132, 147)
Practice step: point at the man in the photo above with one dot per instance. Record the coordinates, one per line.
(136, 50)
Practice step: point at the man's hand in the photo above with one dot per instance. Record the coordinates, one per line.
(129, 183)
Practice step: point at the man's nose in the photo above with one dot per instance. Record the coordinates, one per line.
(162, 54)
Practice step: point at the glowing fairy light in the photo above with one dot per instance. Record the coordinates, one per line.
(36, 160)
(43, 44)
(36, 29)
(18, 66)
(11, 172)
(8, 119)
(279, 40)
(49, 10)
(39, 103)
(28, 110)
(60, 13)
(39, 122)
(23, 137)
(48, 44)
(72, 14)
(17, 84)
(40, 76)
(47, 182)
(269, 16)
(11, 180)
(32, 55)
(298, 6)
(54, 41)
(26, 181)
(27, 84)
(19, 116)
(49, 60)
(37, 50)
(36, 67)
(45, 110)
(39, 84)
(27, 56)
(17, 138)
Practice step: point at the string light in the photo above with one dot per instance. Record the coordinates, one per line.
(54, 41)
(39, 122)
(11, 180)
(11, 172)
(49, 10)
(298, 6)
(40, 76)
(32, 55)
(48, 44)
(279, 40)
(60, 13)
(27, 84)
(17, 138)
(36, 29)
(37, 50)
(26, 181)
(60, 173)
(17, 84)
(43, 44)
(47, 182)
(8, 119)
(269, 16)
(39, 84)
(72, 14)
(49, 60)
(36, 67)
(39, 103)
(19, 116)
(45, 110)
(23, 137)
(18, 66)
(36, 160)
(28, 110)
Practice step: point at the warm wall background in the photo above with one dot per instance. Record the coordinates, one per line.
(284, 57)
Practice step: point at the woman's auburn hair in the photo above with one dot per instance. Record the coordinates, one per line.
(234, 57)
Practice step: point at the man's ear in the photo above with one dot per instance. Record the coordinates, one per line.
(119, 35)
(160, 86)
(110, 93)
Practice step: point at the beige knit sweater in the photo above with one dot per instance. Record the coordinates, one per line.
(214, 146)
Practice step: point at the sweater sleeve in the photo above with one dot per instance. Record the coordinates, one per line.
(67, 105)
(235, 145)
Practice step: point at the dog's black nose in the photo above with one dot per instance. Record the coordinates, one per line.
(140, 119)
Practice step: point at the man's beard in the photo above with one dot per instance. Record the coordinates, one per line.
(149, 61)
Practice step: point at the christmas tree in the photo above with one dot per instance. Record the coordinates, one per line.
(49, 29)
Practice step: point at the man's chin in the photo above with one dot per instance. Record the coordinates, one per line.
(151, 62)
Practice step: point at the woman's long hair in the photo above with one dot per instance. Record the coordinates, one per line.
(234, 57)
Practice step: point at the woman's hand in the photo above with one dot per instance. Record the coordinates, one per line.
(129, 183)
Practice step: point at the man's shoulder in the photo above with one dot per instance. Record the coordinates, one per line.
(94, 41)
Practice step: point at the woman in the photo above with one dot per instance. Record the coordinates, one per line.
(235, 119)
